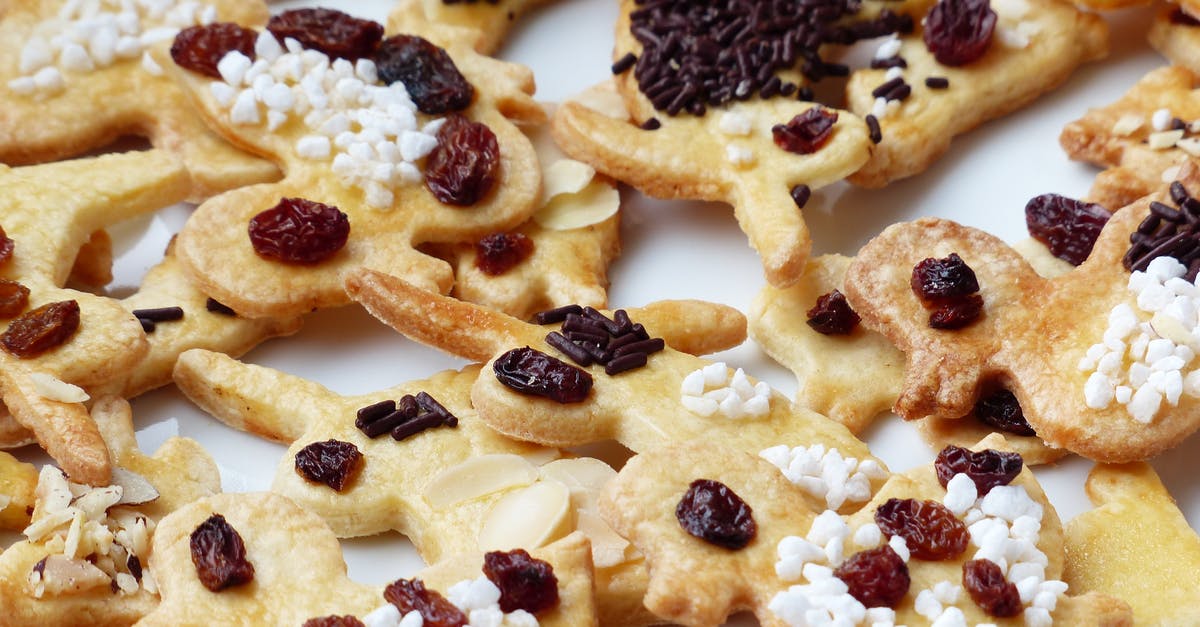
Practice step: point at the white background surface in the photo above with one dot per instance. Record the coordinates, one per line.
(688, 250)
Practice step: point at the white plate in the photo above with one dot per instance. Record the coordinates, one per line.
(688, 250)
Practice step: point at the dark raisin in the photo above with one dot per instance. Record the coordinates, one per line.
(201, 48)
(334, 621)
(134, 565)
(987, 468)
(1068, 227)
(531, 371)
(6, 247)
(806, 133)
(938, 280)
(712, 512)
(958, 32)
(832, 315)
(525, 583)
(428, 73)
(14, 297)
(995, 595)
(219, 555)
(410, 594)
(463, 167)
(498, 253)
(41, 329)
(299, 231)
(1001, 410)
(876, 577)
(931, 530)
(957, 314)
(332, 462)
(337, 34)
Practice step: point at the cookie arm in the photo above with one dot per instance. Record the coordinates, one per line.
(695, 327)
(251, 398)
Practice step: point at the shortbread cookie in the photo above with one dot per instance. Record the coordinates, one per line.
(1175, 35)
(558, 257)
(724, 531)
(920, 105)
(1136, 545)
(1041, 338)
(351, 149)
(639, 407)
(74, 76)
(855, 376)
(1141, 139)
(488, 22)
(271, 582)
(17, 483)
(763, 155)
(85, 557)
(48, 212)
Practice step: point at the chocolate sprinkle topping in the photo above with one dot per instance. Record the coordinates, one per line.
(697, 55)
(404, 418)
(216, 307)
(651, 124)
(937, 82)
(800, 195)
(873, 130)
(1168, 231)
(589, 337)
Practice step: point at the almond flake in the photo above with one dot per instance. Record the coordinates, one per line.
(528, 518)
(478, 476)
(1163, 140)
(594, 204)
(53, 388)
(1128, 124)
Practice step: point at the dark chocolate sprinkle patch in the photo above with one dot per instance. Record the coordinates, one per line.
(873, 130)
(1167, 231)
(937, 82)
(617, 343)
(160, 314)
(556, 315)
(404, 418)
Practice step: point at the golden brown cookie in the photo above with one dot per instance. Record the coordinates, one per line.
(795, 564)
(1035, 46)
(1134, 546)
(49, 212)
(290, 587)
(114, 524)
(356, 148)
(49, 92)
(1034, 334)
(1135, 137)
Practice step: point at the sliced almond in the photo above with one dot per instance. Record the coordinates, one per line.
(584, 476)
(1168, 327)
(62, 575)
(53, 493)
(565, 176)
(95, 503)
(40, 528)
(4, 501)
(542, 455)
(1128, 124)
(55, 389)
(604, 99)
(528, 518)
(608, 548)
(592, 205)
(135, 489)
(478, 476)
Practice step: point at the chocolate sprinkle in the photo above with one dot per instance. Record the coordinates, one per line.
(888, 63)
(800, 195)
(216, 307)
(1168, 231)
(624, 63)
(404, 418)
(589, 337)
(697, 55)
(556, 315)
(160, 314)
(937, 82)
(873, 130)
(651, 124)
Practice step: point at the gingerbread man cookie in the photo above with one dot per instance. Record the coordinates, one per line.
(54, 335)
(968, 313)
(62, 58)
(370, 172)
(1135, 521)
(932, 89)
(85, 557)
(1141, 139)
(724, 531)
(268, 581)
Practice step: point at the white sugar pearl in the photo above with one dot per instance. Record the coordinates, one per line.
(1098, 391)
(35, 55)
(49, 80)
(245, 109)
(961, 493)
(233, 67)
(1144, 404)
(868, 536)
(75, 58)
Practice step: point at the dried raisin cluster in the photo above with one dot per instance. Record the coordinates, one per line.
(987, 468)
(832, 315)
(201, 48)
(332, 462)
(958, 32)
(1068, 227)
(533, 372)
(337, 34)
(299, 231)
(947, 287)
(877, 577)
(498, 253)
(525, 583)
(806, 133)
(219, 555)
(931, 530)
(41, 329)
(465, 164)
(410, 595)
(711, 511)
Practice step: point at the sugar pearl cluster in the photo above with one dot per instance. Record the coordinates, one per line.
(478, 598)
(736, 124)
(1012, 29)
(712, 389)
(826, 474)
(1005, 525)
(938, 605)
(88, 35)
(888, 49)
(1144, 356)
(825, 599)
(369, 130)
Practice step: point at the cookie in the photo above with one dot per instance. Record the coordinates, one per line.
(352, 149)
(639, 407)
(1135, 138)
(692, 147)
(763, 547)
(1035, 46)
(855, 376)
(48, 212)
(61, 61)
(286, 586)
(46, 579)
(560, 256)
(1040, 338)
(488, 22)
(1135, 521)
(17, 483)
